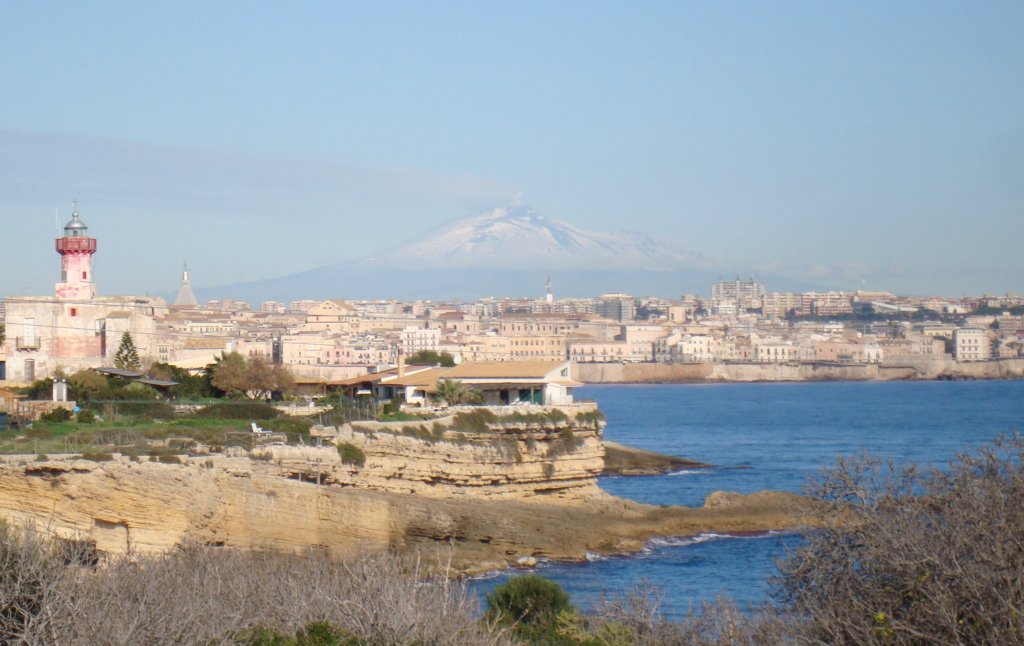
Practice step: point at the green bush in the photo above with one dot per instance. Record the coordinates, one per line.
(145, 409)
(421, 432)
(56, 415)
(477, 421)
(556, 416)
(85, 417)
(569, 440)
(239, 410)
(351, 454)
(530, 604)
(290, 425)
(319, 633)
(97, 457)
(169, 459)
(398, 416)
(438, 431)
(591, 418)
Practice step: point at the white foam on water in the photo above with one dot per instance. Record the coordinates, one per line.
(683, 541)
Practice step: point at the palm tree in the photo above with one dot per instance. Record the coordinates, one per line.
(454, 392)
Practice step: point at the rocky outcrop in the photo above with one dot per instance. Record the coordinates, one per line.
(479, 492)
(622, 460)
(554, 452)
(249, 504)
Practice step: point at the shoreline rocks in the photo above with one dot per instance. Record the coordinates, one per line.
(246, 504)
(621, 460)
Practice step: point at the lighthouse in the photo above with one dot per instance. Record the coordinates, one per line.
(76, 249)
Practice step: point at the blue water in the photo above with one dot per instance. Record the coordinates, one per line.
(765, 436)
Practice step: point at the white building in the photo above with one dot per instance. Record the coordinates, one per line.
(971, 344)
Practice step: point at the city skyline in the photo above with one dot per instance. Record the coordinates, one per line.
(871, 146)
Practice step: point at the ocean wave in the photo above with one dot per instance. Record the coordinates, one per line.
(683, 541)
(686, 472)
(592, 557)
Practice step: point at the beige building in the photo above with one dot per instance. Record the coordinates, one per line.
(971, 344)
(334, 315)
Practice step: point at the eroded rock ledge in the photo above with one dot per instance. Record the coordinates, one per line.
(152, 507)
(478, 498)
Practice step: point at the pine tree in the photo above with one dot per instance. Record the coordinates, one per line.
(127, 356)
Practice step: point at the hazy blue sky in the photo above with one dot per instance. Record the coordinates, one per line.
(870, 143)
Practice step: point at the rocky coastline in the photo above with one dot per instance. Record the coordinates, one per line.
(153, 507)
(478, 489)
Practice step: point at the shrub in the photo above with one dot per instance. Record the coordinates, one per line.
(170, 459)
(319, 633)
(239, 410)
(438, 431)
(293, 426)
(922, 555)
(556, 416)
(477, 421)
(423, 433)
(145, 409)
(590, 417)
(530, 604)
(351, 454)
(97, 457)
(85, 417)
(56, 415)
(399, 416)
(42, 457)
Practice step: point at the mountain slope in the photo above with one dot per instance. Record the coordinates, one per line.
(504, 252)
(521, 238)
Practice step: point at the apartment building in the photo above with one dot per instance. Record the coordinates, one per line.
(971, 344)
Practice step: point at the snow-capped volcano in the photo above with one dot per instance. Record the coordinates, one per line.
(506, 251)
(519, 237)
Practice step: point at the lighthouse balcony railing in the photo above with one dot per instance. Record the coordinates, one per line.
(26, 343)
(76, 244)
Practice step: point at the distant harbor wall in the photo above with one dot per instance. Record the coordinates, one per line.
(901, 368)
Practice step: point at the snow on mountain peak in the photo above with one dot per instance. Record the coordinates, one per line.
(519, 237)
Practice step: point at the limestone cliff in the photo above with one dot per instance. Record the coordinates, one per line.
(511, 458)
(481, 497)
(238, 502)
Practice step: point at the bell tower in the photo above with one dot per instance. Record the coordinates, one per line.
(76, 249)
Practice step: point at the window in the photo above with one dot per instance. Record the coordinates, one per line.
(74, 311)
(30, 332)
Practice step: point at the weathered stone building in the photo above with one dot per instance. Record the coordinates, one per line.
(74, 328)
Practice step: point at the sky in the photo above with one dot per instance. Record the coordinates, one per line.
(872, 145)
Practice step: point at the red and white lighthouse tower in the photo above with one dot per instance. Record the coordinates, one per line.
(76, 249)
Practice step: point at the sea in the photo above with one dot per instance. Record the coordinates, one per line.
(762, 436)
